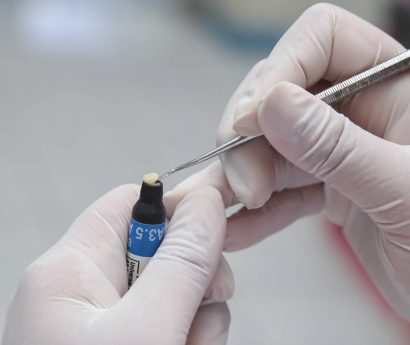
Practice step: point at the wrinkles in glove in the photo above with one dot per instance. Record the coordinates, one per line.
(352, 160)
(76, 293)
(361, 156)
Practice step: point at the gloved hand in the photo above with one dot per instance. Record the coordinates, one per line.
(360, 156)
(76, 293)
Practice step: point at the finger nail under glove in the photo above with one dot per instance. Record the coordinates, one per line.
(245, 117)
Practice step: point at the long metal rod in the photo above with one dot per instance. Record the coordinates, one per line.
(332, 95)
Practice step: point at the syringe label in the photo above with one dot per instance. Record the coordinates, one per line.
(144, 239)
(133, 269)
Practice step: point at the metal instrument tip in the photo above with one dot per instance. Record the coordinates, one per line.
(170, 172)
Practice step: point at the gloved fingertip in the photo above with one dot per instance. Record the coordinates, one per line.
(167, 193)
(280, 110)
(210, 325)
(280, 95)
(243, 193)
(171, 200)
(245, 121)
(245, 108)
(222, 286)
(246, 127)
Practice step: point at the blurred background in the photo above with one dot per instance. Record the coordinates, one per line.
(86, 85)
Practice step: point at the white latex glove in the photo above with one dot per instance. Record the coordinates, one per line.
(76, 293)
(366, 178)
(366, 183)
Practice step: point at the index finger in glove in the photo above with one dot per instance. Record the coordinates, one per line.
(319, 45)
(177, 277)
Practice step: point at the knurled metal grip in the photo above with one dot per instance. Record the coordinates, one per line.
(353, 85)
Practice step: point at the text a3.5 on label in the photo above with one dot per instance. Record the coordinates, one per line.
(152, 234)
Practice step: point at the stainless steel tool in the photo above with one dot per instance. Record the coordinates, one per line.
(332, 95)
